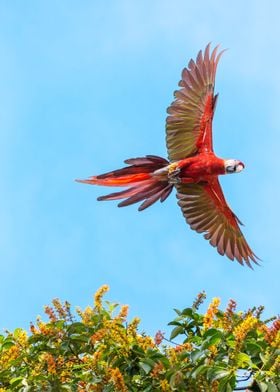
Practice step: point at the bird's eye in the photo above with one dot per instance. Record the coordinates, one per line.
(230, 169)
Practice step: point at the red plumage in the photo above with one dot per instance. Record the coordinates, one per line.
(192, 168)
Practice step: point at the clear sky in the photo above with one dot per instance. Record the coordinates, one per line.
(85, 85)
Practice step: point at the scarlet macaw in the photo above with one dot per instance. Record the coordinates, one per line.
(192, 167)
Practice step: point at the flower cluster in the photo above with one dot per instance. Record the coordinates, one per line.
(98, 349)
(246, 325)
(211, 312)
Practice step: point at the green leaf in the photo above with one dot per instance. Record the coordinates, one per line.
(152, 354)
(253, 348)
(138, 351)
(175, 323)
(187, 312)
(111, 306)
(220, 374)
(146, 366)
(262, 385)
(190, 325)
(177, 311)
(231, 342)
(216, 373)
(176, 331)
(76, 328)
(243, 360)
(228, 388)
(272, 387)
(165, 362)
(16, 381)
(59, 324)
(199, 370)
(79, 338)
(66, 387)
(213, 338)
(211, 332)
(148, 389)
(263, 357)
(197, 354)
(175, 380)
(225, 385)
(7, 344)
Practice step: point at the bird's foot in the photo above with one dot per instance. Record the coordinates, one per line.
(172, 167)
(169, 172)
(173, 173)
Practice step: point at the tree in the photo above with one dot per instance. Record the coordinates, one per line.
(97, 349)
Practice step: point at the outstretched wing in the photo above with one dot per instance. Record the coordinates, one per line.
(189, 124)
(206, 211)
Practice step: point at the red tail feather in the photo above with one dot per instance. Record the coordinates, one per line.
(110, 180)
(145, 187)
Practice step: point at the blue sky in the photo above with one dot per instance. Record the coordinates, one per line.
(85, 85)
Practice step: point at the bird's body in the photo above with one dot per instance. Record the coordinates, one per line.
(201, 167)
(192, 167)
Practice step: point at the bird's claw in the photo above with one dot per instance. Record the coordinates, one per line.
(172, 167)
(173, 171)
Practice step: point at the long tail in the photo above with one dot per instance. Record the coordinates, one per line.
(139, 174)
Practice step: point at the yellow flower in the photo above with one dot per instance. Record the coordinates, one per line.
(272, 333)
(87, 315)
(117, 379)
(60, 361)
(33, 329)
(7, 356)
(145, 342)
(65, 376)
(276, 340)
(228, 315)
(44, 328)
(95, 359)
(183, 347)
(213, 349)
(36, 369)
(50, 313)
(172, 355)
(132, 327)
(275, 368)
(123, 312)
(211, 312)
(59, 308)
(98, 296)
(50, 361)
(82, 386)
(241, 330)
(116, 333)
(157, 370)
(165, 387)
(20, 337)
(215, 386)
(98, 335)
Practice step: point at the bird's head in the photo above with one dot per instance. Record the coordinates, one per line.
(233, 166)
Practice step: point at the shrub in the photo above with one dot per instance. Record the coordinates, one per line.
(97, 349)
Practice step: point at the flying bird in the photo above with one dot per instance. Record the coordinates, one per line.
(192, 166)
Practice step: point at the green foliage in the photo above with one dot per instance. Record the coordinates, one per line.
(98, 350)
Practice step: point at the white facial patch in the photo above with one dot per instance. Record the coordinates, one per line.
(233, 166)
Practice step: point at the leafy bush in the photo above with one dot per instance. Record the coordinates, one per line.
(98, 350)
